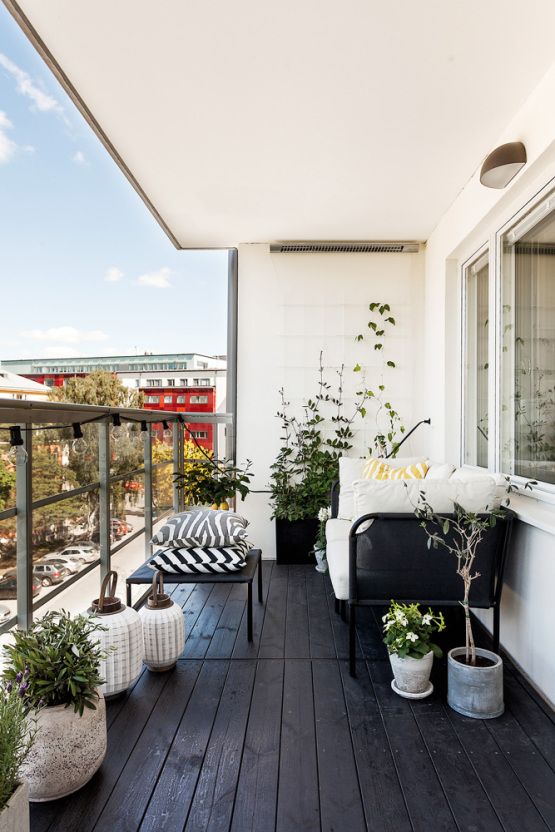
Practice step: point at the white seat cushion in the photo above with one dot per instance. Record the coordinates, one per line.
(337, 554)
(386, 496)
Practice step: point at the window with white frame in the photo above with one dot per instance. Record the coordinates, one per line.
(527, 346)
(199, 399)
(152, 399)
(476, 369)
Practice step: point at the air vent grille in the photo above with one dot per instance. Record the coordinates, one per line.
(344, 247)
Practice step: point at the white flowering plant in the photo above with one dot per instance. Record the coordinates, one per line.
(408, 630)
(323, 516)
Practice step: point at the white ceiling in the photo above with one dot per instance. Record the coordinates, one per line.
(245, 120)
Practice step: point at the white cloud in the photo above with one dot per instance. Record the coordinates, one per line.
(113, 274)
(25, 86)
(61, 351)
(79, 158)
(159, 279)
(7, 146)
(65, 335)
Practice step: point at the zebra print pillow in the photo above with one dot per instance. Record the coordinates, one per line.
(202, 527)
(199, 560)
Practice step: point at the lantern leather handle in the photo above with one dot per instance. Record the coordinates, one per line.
(157, 586)
(112, 578)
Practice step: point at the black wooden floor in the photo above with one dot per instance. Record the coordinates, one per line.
(276, 735)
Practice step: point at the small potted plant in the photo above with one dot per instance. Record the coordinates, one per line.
(16, 740)
(55, 665)
(320, 546)
(408, 633)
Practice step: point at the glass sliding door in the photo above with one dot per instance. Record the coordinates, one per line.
(476, 375)
(528, 348)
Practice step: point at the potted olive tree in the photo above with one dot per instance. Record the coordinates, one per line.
(16, 740)
(475, 675)
(55, 666)
(408, 636)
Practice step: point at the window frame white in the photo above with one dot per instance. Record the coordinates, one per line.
(530, 213)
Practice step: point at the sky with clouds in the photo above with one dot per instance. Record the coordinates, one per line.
(84, 268)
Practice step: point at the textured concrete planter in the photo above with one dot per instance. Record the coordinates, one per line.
(14, 817)
(412, 676)
(68, 750)
(475, 691)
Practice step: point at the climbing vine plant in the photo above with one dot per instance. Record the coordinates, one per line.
(389, 424)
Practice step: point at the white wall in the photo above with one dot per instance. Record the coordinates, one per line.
(527, 631)
(290, 307)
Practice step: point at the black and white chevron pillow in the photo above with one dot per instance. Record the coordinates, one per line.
(202, 527)
(199, 560)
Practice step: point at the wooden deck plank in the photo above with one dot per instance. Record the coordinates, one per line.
(272, 638)
(533, 716)
(81, 810)
(225, 634)
(200, 636)
(382, 796)
(513, 805)
(173, 794)
(422, 789)
(130, 797)
(319, 625)
(298, 801)
(340, 798)
(243, 648)
(296, 617)
(532, 770)
(256, 796)
(212, 806)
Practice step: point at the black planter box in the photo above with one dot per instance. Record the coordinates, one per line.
(295, 540)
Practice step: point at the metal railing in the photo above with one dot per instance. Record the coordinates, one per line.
(32, 416)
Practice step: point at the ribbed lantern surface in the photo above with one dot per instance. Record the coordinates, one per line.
(121, 639)
(163, 628)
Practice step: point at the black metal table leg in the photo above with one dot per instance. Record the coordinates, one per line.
(260, 580)
(128, 590)
(249, 612)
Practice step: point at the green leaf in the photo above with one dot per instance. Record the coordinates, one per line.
(391, 364)
(357, 368)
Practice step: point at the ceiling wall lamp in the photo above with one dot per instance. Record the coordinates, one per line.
(503, 164)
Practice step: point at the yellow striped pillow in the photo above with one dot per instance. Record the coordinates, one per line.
(410, 472)
(378, 469)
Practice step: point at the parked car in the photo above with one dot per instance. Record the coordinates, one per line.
(49, 573)
(69, 562)
(8, 587)
(82, 553)
(5, 613)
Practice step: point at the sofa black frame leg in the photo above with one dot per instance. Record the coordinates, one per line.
(352, 641)
(496, 617)
(343, 610)
(337, 606)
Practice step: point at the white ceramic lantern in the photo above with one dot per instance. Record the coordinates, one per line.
(163, 628)
(121, 639)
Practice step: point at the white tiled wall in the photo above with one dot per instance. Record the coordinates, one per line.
(291, 307)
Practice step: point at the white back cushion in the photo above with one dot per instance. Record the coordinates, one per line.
(351, 469)
(439, 470)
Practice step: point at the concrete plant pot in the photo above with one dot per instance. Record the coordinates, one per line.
(412, 676)
(14, 817)
(321, 562)
(475, 691)
(67, 751)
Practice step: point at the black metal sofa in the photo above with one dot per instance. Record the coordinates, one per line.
(391, 560)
